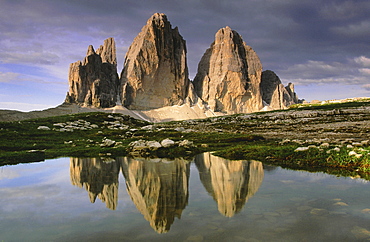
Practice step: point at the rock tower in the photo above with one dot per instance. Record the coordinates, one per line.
(274, 94)
(155, 72)
(94, 81)
(229, 75)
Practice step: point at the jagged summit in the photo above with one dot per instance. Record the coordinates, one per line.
(274, 93)
(229, 75)
(155, 76)
(155, 72)
(94, 81)
(107, 51)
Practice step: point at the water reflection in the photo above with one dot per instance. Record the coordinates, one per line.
(99, 176)
(230, 183)
(159, 188)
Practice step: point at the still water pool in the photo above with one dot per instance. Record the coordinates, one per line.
(205, 199)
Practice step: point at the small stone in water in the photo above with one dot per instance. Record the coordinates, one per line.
(340, 204)
(360, 233)
(366, 210)
(319, 211)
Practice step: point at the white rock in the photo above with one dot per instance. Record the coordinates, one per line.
(108, 143)
(153, 145)
(167, 143)
(365, 142)
(186, 143)
(336, 149)
(325, 145)
(357, 144)
(358, 156)
(352, 153)
(180, 129)
(138, 145)
(43, 128)
(148, 127)
(301, 149)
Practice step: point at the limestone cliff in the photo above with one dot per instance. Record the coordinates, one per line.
(274, 93)
(98, 177)
(94, 81)
(231, 183)
(155, 72)
(229, 75)
(158, 189)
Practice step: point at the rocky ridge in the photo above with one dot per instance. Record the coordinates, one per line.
(154, 83)
(155, 74)
(94, 81)
(229, 75)
(274, 94)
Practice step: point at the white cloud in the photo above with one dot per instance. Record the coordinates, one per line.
(6, 77)
(365, 71)
(8, 174)
(363, 61)
(354, 30)
(366, 86)
(30, 57)
(351, 72)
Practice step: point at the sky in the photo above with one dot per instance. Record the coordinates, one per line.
(323, 47)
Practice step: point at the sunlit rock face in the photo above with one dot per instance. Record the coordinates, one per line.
(158, 188)
(229, 75)
(99, 177)
(274, 93)
(94, 81)
(230, 183)
(155, 72)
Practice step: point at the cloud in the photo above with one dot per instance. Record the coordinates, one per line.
(360, 29)
(6, 77)
(17, 78)
(367, 87)
(365, 71)
(30, 57)
(363, 61)
(350, 72)
(314, 38)
(345, 10)
(10, 174)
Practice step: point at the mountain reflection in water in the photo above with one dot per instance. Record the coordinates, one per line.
(159, 188)
(231, 183)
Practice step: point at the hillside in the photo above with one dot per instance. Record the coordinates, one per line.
(332, 137)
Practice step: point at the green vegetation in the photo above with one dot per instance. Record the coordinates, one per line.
(233, 137)
(84, 135)
(344, 161)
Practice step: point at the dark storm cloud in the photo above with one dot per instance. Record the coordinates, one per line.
(286, 34)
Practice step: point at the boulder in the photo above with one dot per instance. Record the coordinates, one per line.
(153, 145)
(229, 75)
(167, 143)
(94, 81)
(107, 143)
(155, 72)
(43, 128)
